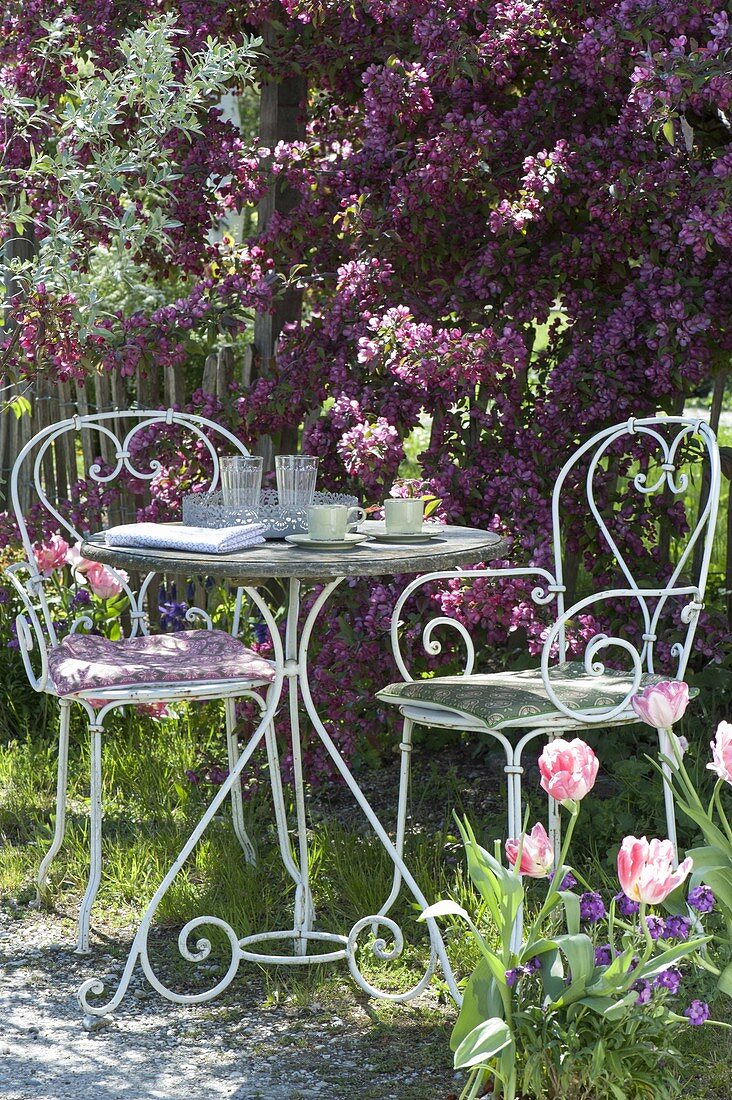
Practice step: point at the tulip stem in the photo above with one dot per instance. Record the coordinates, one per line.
(553, 891)
(722, 814)
(647, 933)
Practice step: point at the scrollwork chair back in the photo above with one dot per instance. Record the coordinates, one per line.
(562, 695)
(125, 442)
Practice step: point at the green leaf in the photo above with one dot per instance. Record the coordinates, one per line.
(661, 962)
(579, 952)
(610, 1008)
(668, 131)
(552, 974)
(444, 908)
(725, 980)
(571, 904)
(481, 1001)
(483, 1043)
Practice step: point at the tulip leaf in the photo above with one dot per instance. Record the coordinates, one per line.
(571, 911)
(444, 908)
(608, 1007)
(666, 958)
(725, 980)
(481, 1001)
(579, 952)
(483, 1043)
(552, 974)
(616, 973)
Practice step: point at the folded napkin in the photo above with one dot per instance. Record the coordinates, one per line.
(169, 536)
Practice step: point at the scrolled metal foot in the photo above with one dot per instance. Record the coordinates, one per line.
(382, 951)
(94, 987)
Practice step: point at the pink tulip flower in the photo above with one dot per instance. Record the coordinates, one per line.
(646, 870)
(537, 854)
(568, 769)
(51, 555)
(660, 705)
(77, 561)
(103, 582)
(722, 752)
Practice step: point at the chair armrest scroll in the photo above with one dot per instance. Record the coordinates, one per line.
(542, 593)
(641, 657)
(28, 626)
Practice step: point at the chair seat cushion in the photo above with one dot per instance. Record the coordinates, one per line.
(503, 697)
(86, 662)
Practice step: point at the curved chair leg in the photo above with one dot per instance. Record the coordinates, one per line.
(95, 845)
(405, 752)
(237, 802)
(664, 747)
(61, 784)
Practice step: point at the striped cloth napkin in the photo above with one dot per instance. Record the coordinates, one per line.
(172, 536)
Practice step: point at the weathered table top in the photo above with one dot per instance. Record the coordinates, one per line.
(452, 546)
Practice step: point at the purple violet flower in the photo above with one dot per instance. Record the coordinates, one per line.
(592, 907)
(697, 1013)
(643, 989)
(625, 905)
(656, 928)
(669, 979)
(701, 898)
(677, 928)
(603, 955)
(512, 976)
(191, 776)
(568, 882)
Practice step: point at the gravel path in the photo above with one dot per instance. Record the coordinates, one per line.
(233, 1049)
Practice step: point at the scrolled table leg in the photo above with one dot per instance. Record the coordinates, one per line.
(384, 953)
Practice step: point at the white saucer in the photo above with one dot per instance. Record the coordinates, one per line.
(352, 539)
(419, 536)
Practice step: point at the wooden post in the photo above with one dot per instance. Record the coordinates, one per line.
(14, 433)
(282, 108)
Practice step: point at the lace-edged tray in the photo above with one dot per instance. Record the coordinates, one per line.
(207, 510)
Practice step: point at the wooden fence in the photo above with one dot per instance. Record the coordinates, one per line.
(54, 401)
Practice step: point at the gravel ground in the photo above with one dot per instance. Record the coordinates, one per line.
(232, 1049)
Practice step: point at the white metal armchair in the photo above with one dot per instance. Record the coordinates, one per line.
(99, 674)
(562, 696)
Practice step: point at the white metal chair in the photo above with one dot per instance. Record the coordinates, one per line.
(560, 696)
(101, 675)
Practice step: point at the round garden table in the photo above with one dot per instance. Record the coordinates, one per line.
(295, 565)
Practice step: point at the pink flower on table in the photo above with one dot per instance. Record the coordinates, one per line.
(51, 555)
(103, 581)
(646, 869)
(568, 769)
(77, 561)
(660, 705)
(537, 854)
(722, 752)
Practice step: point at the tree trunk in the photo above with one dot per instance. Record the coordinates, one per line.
(282, 111)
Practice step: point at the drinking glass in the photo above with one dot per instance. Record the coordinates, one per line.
(296, 476)
(241, 480)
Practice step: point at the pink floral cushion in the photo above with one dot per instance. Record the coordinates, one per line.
(85, 662)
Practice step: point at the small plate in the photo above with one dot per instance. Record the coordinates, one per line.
(352, 539)
(420, 536)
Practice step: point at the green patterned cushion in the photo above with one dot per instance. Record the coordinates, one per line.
(509, 696)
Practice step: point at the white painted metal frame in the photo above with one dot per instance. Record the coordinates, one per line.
(651, 602)
(291, 663)
(37, 634)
